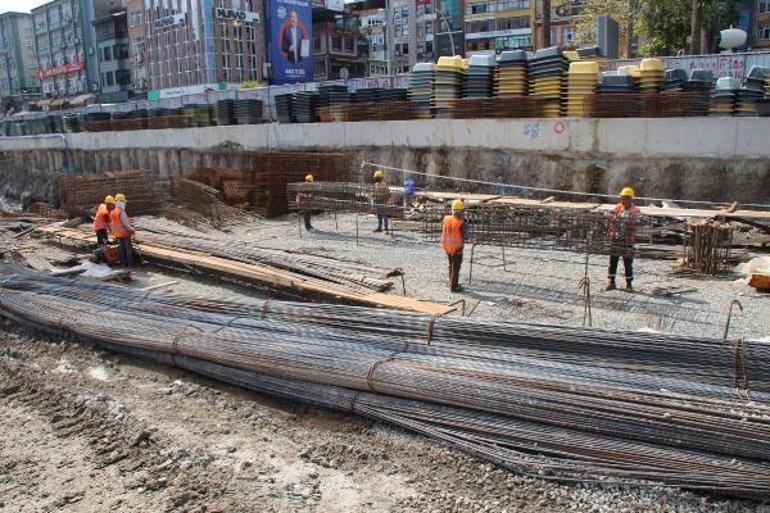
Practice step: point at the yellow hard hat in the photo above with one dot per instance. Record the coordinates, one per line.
(458, 204)
(120, 197)
(627, 191)
(379, 174)
(309, 178)
(109, 200)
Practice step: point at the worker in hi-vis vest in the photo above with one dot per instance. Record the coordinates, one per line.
(122, 230)
(102, 220)
(454, 230)
(622, 236)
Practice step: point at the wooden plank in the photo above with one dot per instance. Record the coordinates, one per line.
(268, 276)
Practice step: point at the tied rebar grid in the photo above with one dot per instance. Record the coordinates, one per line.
(555, 402)
(344, 197)
(577, 230)
(648, 105)
(707, 246)
(146, 192)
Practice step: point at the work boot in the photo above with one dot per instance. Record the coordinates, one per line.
(459, 288)
(611, 285)
(378, 230)
(629, 286)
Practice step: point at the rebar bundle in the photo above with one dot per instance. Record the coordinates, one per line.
(570, 229)
(146, 192)
(707, 246)
(559, 403)
(342, 197)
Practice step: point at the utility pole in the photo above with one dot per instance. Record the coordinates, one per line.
(546, 23)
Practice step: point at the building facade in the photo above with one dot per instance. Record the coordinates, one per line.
(195, 42)
(112, 48)
(371, 22)
(336, 50)
(762, 24)
(498, 25)
(135, 15)
(448, 27)
(18, 62)
(66, 53)
(563, 17)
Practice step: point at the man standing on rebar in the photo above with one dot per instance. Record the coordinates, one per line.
(122, 230)
(102, 221)
(622, 235)
(454, 231)
(303, 199)
(381, 200)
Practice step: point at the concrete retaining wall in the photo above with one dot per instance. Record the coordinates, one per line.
(719, 159)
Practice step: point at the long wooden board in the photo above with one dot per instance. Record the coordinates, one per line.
(263, 275)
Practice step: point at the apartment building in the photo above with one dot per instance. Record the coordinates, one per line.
(448, 27)
(188, 43)
(498, 25)
(336, 50)
(112, 48)
(18, 62)
(371, 22)
(65, 48)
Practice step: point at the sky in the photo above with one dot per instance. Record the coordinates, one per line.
(19, 5)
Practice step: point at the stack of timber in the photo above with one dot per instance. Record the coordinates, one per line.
(295, 275)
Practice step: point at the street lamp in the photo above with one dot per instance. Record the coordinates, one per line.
(448, 29)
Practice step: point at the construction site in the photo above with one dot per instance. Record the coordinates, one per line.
(286, 337)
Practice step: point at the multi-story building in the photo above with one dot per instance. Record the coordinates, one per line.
(336, 50)
(66, 53)
(199, 42)
(371, 20)
(762, 24)
(136, 46)
(563, 17)
(448, 27)
(112, 48)
(18, 63)
(497, 25)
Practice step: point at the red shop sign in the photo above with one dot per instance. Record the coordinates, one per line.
(58, 70)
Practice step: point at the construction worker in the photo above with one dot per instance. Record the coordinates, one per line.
(622, 235)
(102, 220)
(122, 230)
(382, 200)
(304, 197)
(454, 231)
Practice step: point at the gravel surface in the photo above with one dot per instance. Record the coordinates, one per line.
(84, 430)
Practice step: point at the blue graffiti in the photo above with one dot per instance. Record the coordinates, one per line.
(532, 129)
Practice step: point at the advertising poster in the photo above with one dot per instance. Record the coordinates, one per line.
(291, 41)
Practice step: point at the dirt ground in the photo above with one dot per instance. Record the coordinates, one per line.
(85, 430)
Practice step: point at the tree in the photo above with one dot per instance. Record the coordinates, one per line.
(625, 12)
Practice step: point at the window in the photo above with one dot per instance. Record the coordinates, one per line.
(123, 77)
(348, 44)
(120, 51)
(135, 19)
(513, 23)
(316, 44)
(106, 54)
(479, 26)
(319, 67)
(110, 78)
(764, 6)
(763, 32)
(568, 35)
(428, 29)
(509, 5)
(336, 43)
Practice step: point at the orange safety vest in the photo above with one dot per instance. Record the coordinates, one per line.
(627, 226)
(116, 225)
(451, 235)
(102, 218)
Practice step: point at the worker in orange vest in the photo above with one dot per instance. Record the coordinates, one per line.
(122, 230)
(382, 200)
(102, 220)
(622, 235)
(454, 231)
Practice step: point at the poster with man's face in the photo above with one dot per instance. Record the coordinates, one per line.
(291, 41)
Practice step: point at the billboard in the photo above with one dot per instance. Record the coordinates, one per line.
(290, 41)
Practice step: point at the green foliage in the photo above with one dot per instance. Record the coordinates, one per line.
(248, 84)
(664, 25)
